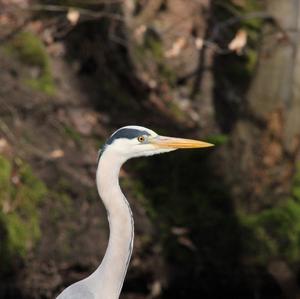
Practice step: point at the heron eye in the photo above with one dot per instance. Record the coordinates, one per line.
(141, 138)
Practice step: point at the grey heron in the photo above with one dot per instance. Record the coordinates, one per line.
(127, 142)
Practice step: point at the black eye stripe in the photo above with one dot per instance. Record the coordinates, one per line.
(126, 133)
(122, 133)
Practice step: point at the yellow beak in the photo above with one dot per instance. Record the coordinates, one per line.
(172, 142)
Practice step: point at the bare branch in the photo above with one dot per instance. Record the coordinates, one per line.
(147, 13)
(84, 12)
(255, 15)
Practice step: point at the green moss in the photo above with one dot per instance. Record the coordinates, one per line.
(273, 233)
(20, 195)
(296, 185)
(21, 233)
(251, 62)
(218, 139)
(5, 173)
(29, 50)
(153, 43)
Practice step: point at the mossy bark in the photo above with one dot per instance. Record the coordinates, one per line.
(265, 143)
(20, 195)
(31, 52)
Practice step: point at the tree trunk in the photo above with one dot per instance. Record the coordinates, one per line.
(265, 143)
(264, 148)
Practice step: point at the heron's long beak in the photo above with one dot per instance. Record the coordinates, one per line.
(172, 142)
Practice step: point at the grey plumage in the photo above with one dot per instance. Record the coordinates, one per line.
(77, 291)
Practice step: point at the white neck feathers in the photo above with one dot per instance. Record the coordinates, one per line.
(108, 279)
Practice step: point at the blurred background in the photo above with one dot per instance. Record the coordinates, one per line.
(216, 223)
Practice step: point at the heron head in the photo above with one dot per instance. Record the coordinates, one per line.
(135, 141)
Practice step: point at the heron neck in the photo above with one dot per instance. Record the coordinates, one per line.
(110, 275)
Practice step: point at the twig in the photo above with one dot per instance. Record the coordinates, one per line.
(255, 15)
(97, 2)
(151, 7)
(6, 131)
(82, 11)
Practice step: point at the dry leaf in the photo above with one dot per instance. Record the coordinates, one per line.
(4, 20)
(6, 207)
(178, 231)
(55, 154)
(148, 80)
(139, 32)
(176, 48)
(47, 36)
(3, 144)
(73, 16)
(156, 288)
(199, 42)
(36, 26)
(57, 49)
(187, 243)
(239, 42)
(15, 179)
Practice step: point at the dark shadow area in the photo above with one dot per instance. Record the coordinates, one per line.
(205, 259)
(231, 85)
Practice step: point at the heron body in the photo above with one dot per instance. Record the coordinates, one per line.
(128, 142)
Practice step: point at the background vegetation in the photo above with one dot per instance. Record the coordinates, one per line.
(214, 223)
